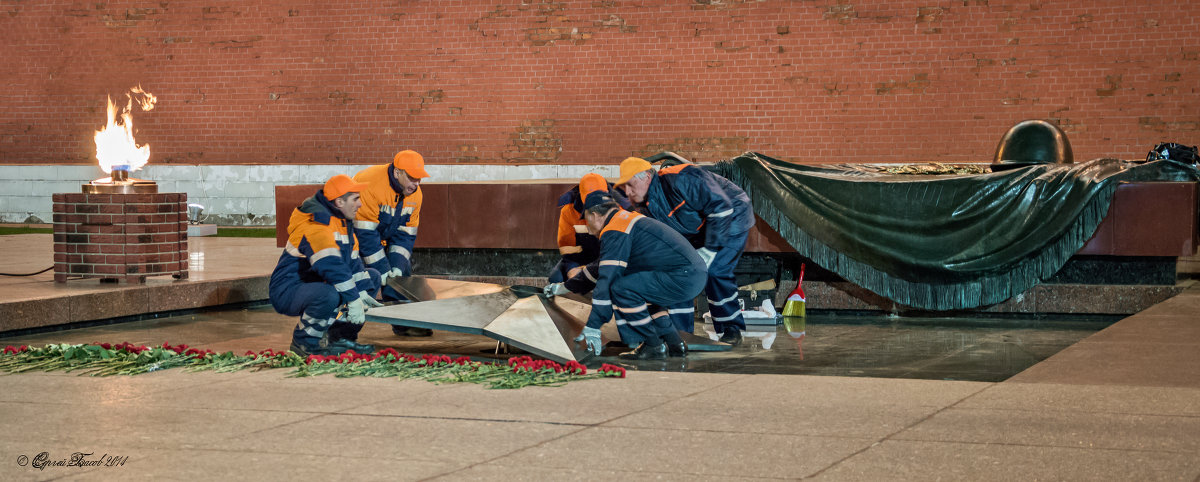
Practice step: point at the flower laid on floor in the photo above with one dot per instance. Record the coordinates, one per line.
(104, 359)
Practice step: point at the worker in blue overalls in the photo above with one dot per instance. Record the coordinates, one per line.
(716, 216)
(643, 265)
(320, 271)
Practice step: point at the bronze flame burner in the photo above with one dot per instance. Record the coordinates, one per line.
(120, 183)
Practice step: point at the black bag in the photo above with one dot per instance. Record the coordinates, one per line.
(1174, 152)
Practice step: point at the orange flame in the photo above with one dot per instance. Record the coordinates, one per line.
(114, 143)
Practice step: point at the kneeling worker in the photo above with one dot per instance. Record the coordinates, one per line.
(642, 263)
(576, 271)
(320, 271)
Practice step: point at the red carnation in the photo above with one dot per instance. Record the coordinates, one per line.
(612, 370)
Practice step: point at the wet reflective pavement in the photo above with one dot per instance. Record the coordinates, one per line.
(970, 349)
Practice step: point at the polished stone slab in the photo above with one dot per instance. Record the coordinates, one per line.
(517, 315)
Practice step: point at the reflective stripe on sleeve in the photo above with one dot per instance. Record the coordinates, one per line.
(601, 302)
(292, 250)
(402, 250)
(412, 230)
(611, 262)
(324, 253)
(370, 226)
(721, 214)
(372, 259)
(345, 285)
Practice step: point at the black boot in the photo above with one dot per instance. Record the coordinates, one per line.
(305, 350)
(675, 346)
(732, 336)
(346, 344)
(643, 352)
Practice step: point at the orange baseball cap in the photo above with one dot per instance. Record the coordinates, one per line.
(592, 182)
(337, 186)
(411, 163)
(630, 167)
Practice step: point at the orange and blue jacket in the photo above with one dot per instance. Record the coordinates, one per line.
(386, 224)
(320, 248)
(575, 244)
(631, 243)
(686, 197)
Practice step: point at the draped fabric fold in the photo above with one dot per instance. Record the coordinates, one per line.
(939, 242)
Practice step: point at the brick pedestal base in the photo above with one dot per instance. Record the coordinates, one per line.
(120, 236)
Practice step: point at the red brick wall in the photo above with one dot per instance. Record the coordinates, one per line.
(542, 81)
(120, 236)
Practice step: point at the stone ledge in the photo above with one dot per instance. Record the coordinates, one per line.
(129, 300)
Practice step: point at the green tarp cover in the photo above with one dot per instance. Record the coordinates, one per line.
(939, 242)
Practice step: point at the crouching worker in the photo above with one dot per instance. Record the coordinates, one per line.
(320, 272)
(644, 265)
(578, 247)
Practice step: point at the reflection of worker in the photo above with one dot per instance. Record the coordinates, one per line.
(643, 265)
(687, 198)
(386, 224)
(578, 247)
(320, 270)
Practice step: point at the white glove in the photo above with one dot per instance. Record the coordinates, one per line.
(592, 335)
(555, 289)
(707, 255)
(355, 312)
(368, 300)
(389, 274)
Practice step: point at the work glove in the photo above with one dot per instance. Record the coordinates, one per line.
(368, 300)
(707, 255)
(592, 335)
(356, 312)
(555, 289)
(389, 274)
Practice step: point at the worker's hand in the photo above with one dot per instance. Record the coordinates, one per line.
(356, 312)
(707, 255)
(555, 289)
(592, 335)
(389, 274)
(368, 300)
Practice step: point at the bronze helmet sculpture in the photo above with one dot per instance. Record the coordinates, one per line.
(1032, 142)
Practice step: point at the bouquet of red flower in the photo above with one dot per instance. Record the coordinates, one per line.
(104, 359)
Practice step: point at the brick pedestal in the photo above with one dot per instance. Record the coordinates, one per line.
(120, 236)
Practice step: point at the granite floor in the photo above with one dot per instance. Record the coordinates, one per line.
(1122, 403)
